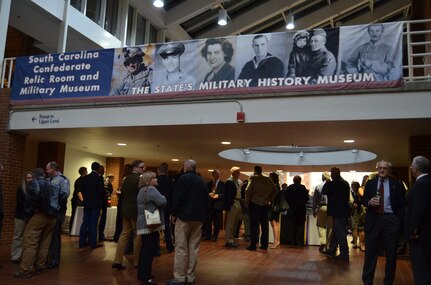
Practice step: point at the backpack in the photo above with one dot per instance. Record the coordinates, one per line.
(49, 197)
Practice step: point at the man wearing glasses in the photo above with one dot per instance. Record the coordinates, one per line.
(385, 200)
(129, 194)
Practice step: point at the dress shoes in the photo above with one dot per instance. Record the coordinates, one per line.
(118, 266)
(322, 248)
(149, 282)
(328, 253)
(341, 258)
(16, 261)
(22, 275)
(231, 244)
(251, 248)
(175, 282)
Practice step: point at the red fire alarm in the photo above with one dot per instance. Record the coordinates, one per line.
(240, 117)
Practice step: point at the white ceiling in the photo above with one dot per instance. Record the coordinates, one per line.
(389, 139)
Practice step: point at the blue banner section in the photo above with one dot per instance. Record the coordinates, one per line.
(348, 57)
(65, 75)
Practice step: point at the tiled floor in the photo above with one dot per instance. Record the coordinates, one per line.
(216, 265)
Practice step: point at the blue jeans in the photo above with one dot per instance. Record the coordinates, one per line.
(88, 230)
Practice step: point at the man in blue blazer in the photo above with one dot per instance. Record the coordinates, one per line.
(385, 200)
(418, 221)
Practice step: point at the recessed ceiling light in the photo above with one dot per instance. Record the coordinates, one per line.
(225, 142)
(175, 159)
(121, 144)
(109, 153)
(210, 170)
(349, 141)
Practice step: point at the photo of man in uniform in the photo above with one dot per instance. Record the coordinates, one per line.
(322, 61)
(263, 64)
(170, 77)
(374, 57)
(139, 76)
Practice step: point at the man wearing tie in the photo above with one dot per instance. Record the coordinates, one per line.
(216, 195)
(385, 200)
(418, 221)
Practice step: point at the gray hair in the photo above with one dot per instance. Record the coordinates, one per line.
(421, 163)
(189, 164)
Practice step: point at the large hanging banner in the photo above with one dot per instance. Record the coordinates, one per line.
(366, 56)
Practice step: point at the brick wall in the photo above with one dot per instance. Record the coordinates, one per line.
(12, 145)
(115, 166)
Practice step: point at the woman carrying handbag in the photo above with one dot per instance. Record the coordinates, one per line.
(149, 202)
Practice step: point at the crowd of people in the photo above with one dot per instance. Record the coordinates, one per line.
(380, 212)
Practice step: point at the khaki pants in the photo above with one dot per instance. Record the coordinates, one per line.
(187, 241)
(129, 228)
(36, 241)
(321, 219)
(233, 217)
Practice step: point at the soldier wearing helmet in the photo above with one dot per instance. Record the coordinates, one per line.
(171, 78)
(139, 76)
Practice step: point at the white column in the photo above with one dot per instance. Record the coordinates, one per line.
(64, 25)
(122, 21)
(4, 22)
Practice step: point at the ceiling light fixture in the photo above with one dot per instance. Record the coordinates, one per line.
(121, 144)
(158, 3)
(290, 22)
(222, 17)
(349, 141)
(210, 170)
(226, 143)
(175, 159)
(109, 153)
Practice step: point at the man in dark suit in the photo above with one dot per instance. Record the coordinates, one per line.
(338, 192)
(216, 189)
(385, 200)
(418, 221)
(166, 188)
(92, 191)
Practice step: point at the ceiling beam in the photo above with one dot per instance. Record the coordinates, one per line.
(252, 18)
(337, 10)
(189, 9)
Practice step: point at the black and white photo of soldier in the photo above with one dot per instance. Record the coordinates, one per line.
(138, 77)
(299, 57)
(263, 64)
(218, 53)
(376, 56)
(169, 76)
(322, 60)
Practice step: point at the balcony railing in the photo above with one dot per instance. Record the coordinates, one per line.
(416, 41)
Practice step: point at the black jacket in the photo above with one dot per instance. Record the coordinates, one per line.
(418, 213)
(93, 190)
(217, 204)
(338, 192)
(190, 199)
(397, 198)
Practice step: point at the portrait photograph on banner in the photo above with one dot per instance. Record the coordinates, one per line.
(216, 57)
(263, 56)
(174, 67)
(372, 52)
(132, 72)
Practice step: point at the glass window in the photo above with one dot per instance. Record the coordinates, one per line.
(93, 10)
(140, 30)
(77, 4)
(129, 26)
(153, 34)
(111, 16)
